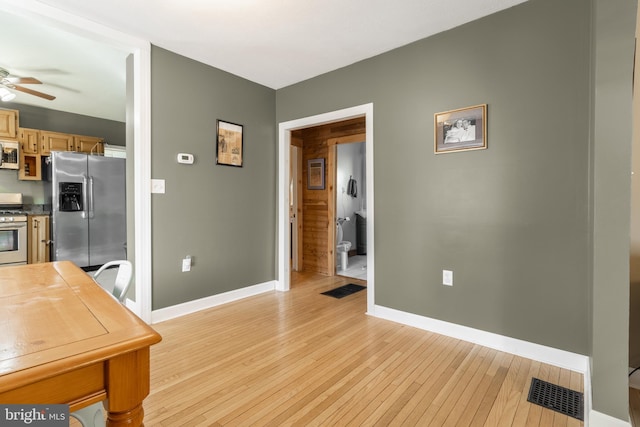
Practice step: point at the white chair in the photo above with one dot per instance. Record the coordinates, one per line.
(123, 278)
(92, 415)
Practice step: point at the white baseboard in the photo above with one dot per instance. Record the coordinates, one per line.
(209, 302)
(550, 355)
(598, 419)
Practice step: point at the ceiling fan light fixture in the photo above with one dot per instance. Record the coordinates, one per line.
(6, 95)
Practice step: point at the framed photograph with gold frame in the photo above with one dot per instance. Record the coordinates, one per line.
(229, 144)
(461, 130)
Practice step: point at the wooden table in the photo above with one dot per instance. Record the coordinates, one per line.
(63, 339)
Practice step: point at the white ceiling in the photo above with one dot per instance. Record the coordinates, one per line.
(275, 43)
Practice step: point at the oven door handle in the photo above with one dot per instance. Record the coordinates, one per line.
(9, 225)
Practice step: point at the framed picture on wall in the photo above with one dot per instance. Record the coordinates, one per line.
(461, 130)
(315, 174)
(229, 144)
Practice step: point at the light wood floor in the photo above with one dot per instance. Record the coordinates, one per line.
(304, 359)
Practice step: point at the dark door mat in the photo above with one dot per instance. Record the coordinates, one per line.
(345, 290)
(557, 398)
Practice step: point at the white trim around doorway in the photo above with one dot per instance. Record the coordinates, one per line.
(284, 141)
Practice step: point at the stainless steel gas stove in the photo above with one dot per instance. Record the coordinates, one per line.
(13, 230)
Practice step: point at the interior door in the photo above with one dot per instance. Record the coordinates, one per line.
(295, 206)
(293, 221)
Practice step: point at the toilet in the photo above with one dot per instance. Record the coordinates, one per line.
(343, 246)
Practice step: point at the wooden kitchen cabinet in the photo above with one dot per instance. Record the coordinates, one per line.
(35, 144)
(55, 141)
(30, 167)
(9, 123)
(29, 140)
(88, 144)
(38, 239)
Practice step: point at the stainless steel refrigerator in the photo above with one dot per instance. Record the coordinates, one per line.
(88, 208)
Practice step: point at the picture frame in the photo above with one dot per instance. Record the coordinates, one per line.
(463, 129)
(315, 174)
(229, 144)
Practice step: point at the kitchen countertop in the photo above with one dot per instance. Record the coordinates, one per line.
(37, 209)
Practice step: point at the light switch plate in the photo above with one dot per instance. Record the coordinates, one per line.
(186, 264)
(157, 186)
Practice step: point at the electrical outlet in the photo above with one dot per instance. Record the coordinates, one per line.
(186, 264)
(447, 277)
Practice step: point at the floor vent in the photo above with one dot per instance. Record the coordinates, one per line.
(557, 398)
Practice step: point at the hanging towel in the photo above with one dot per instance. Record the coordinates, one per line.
(352, 187)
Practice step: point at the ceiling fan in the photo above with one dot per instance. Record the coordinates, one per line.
(11, 82)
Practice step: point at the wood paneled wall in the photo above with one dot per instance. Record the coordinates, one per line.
(318, 217)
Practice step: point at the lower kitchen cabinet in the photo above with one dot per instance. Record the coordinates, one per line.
(38, 239)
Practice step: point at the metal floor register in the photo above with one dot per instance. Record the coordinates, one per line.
(557, 398)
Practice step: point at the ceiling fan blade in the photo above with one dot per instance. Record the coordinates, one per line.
(33, 92)
(24, 80)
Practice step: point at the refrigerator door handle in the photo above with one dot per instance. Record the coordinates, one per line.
(91, 197)
(85, 197)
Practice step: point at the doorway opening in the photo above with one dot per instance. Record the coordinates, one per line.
(138, 129)
(351, 210)
(288, 132)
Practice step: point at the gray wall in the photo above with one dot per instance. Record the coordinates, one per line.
(614, 29)
(510, 221)
(513, 221)
(57, 121)
(223, 216)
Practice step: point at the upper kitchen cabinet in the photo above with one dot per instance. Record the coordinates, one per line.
(29, 140)
(55, 141)
(9, 123)
(88, 144)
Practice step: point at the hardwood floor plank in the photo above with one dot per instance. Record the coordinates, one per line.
(522, 411)
(443, 373)
(437, 355)
(470, 398)
(510, 394)
(447, 400)
(492, 391)
(300, 358)
(324, 364)
(401, 378)
(425, 362)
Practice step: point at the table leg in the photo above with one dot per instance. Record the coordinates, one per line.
(127, 386)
